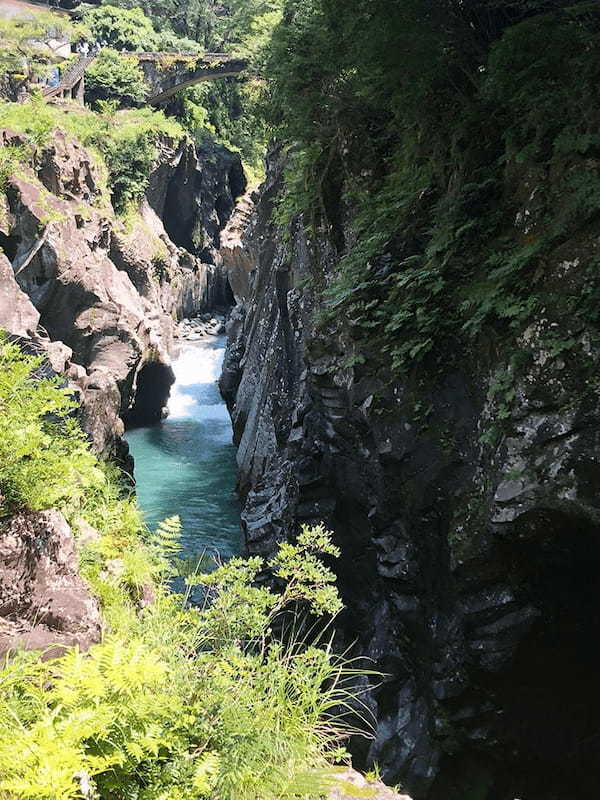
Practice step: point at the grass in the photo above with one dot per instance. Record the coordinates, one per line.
(122, 143)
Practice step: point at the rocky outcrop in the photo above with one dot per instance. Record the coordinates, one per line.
(352, 784)
(464, 500)
(195, 196)
(237, 260)
(17, 312)
(44, 604)
(73, 273)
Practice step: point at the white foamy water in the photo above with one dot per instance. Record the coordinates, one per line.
(186, 464)
(197, 370)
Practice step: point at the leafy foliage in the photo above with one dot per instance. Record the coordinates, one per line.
(176, 701)
(423, 122)
(120, 28)
(227, 112)
(247, 26)
(124, 142)
(44, 458)
(11, 159)
(192, 19)
(115, 78)
(129, 27)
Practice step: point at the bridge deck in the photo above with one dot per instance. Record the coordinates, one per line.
(197, 68)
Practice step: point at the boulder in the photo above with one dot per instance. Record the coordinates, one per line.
(44, 603)
(351, 784)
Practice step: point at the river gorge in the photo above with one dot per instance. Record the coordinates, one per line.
(186, 464)
(338, 312)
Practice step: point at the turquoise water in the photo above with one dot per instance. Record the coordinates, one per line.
(186, 464)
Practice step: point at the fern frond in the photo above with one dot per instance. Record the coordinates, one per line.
(166, 537)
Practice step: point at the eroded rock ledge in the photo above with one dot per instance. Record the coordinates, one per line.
(100, 298)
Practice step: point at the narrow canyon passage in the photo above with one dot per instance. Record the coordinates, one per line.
(186, 464)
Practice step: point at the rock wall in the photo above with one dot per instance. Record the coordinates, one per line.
(465, 502)
(103, 298)
(44, 603)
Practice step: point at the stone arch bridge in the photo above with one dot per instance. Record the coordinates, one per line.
(165, 73)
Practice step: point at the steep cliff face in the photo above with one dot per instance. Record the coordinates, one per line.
(464, 498)
(101, 296)
(199, 198)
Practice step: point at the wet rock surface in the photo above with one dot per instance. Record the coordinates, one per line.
(468, 520)
(44, 604)
(197, 328)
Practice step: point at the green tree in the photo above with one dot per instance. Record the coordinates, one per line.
(121, 28)
(194, 19)
(117, 78)
(247, 25)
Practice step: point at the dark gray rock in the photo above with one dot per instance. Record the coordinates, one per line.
(469, 562)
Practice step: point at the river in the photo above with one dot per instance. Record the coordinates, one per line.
(186, 464)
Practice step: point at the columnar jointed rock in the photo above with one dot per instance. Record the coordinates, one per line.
(43, 601)
(468, 518)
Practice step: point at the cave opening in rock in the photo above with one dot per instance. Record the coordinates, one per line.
(545, 742)
(9, 245)
(550, 697)
(153, 385)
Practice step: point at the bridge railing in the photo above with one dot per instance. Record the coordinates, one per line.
(158, 56)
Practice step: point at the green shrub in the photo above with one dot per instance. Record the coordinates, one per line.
(124, 142)
(176, 701)
(116, 78)
(44, 458)
(11, 159)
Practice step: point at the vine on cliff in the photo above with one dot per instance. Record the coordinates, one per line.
(458, 186)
